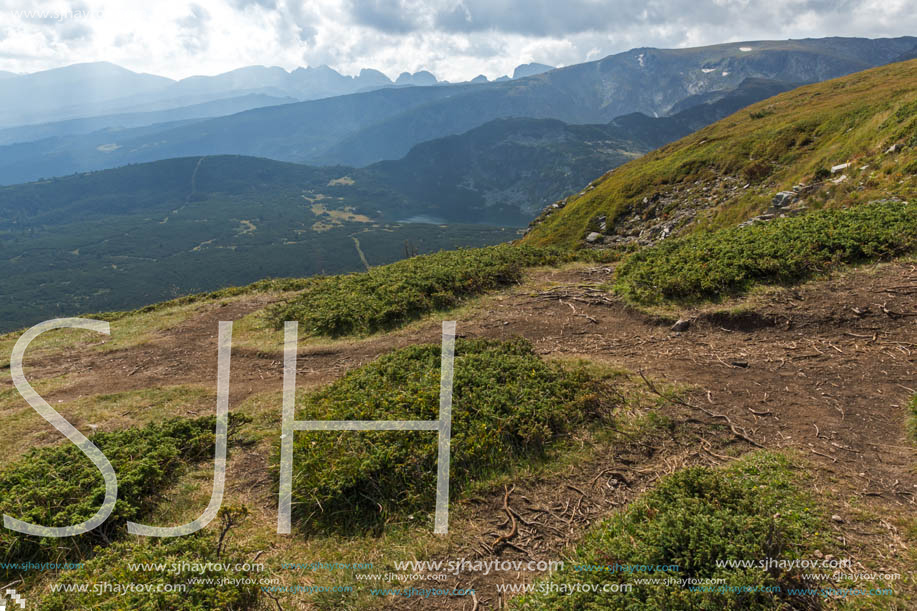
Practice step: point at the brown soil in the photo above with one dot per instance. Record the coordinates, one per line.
(824, 369)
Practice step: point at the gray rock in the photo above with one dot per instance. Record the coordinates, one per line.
(784, 198)
(594, 237)
(683, 324)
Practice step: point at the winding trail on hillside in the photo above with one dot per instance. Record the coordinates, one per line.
(197, 166)
(356, 244)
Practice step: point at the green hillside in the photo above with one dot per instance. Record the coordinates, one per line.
(841, 142)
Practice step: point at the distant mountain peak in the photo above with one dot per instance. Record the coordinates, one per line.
(531, 69)
(91, 69)
(420, 78)
(372, 73)
(257, 68)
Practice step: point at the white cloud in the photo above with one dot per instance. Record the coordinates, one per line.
(455, 39)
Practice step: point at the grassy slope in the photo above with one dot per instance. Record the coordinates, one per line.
(771, 145)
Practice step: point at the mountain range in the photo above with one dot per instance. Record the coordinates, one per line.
(506, 170)
(362, 128)
(120, 121)
(501, 172)
(102, 88)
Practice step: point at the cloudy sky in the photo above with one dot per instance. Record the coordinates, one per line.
(455, 39)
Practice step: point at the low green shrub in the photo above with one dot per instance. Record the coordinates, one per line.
(690, 521)
(391, 295)
(729, 261)
(60, 486)
(507, 404)
(111, 584)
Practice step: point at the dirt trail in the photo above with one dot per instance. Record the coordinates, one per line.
(825, 368)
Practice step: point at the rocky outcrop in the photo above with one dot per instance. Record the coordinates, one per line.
(669, 212)
(663, 214)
